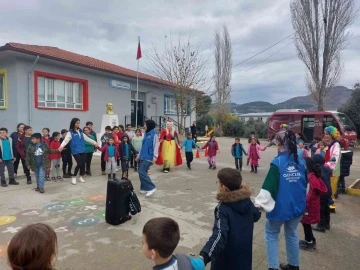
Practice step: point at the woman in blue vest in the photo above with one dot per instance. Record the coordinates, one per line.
(147, 156)
(77, 140)
(283, 198)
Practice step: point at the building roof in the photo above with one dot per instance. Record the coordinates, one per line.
(57, 54)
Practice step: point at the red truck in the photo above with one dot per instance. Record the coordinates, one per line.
(312, 124)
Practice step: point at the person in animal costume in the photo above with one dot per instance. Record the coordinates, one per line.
(169, 148)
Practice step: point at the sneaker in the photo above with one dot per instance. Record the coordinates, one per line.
(210, 166)
(214, 168)
(288, 267)
(59, 178)
(143, 192)
(3, 184)
(149, 193)
(73, 180)
(319, 228)
(327, 227)
(307, 246)
(65, 176)
(13, 182)
(53, 179)
(81, 179)
(88, 174)
(37, 189)
(28, 180)
(166, 171)
(103, 173)
(41, 190)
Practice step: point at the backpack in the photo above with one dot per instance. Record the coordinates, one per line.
(134, 203)
(185, 262)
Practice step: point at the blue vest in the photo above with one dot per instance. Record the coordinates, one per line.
(147, 148)
(291, 196)
(77, 143)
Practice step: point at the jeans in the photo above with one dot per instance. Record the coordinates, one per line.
(238, 163)
(145, 181)
(40, 175)
(272, 230)
(189, 158)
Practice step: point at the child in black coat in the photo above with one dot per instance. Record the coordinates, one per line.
(126, 150)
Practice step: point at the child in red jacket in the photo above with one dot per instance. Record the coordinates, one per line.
(111, 155)
(213, 149)
(312, 213)
(56, 157)
(254, 154)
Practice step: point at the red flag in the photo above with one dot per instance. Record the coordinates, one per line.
(138, 55)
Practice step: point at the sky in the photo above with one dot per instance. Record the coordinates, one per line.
(109, 30)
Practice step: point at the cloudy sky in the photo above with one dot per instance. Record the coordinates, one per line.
(108, 30)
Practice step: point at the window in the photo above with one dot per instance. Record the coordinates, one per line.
(59, 92)
(170, 105)
(141, 96)
(3, 89)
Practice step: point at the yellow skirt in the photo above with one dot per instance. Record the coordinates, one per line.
(168, 153)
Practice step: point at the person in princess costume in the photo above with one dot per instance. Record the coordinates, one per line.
(169, 148)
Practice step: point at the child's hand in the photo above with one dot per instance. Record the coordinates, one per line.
(61, 148)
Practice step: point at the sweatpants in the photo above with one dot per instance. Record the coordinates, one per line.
(67, 163)
(9, 164)
(125, 168)
(55, 168)
(16, 165)
(212, 161)
(309, 236)
(238, 163)
(189, 158)
(80, 164)
(111, 165)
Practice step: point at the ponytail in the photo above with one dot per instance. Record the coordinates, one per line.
(290, 141)
(313, 167)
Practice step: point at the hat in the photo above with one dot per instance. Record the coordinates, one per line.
(286, 126)
(333, 131)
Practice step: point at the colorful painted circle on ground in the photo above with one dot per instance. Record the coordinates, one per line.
(97, 197)
(76, 201)
(85, 221)
(100, 214)
(3, 250)
(55, 207)
(7, 219)
(31, 212)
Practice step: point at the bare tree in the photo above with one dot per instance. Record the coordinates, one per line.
(184, 71)
(222, 77)
(320, 35)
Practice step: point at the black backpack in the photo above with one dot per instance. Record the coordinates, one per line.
(134, 203)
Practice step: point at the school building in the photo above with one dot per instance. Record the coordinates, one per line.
(46, 86)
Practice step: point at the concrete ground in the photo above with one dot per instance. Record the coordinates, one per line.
(87, 242)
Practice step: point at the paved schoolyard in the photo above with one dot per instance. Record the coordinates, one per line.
(87, 242)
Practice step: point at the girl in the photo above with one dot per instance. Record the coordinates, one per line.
(38, 252)
(117, 140)
(322, 148)
(137, 142)
(111, 155)
(17, 136)
(56, 157)
(77, 140)
(126, 149)
(46, 139)
(312, 212)
(89, 151)
(254, 154)
(299, 137)
(213, 149)
(302, 152)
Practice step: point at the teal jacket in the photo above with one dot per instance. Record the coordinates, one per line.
(89, 148)
(189, 144)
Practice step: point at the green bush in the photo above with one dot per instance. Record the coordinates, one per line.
(260, 128)
(234, 128)
(203, 121)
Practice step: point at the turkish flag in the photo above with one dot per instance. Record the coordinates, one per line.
(138, 55)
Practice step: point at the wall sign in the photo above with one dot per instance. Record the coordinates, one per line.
(120, 84)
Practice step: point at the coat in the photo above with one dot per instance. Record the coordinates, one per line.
(211, 149)
(122, 151)
(55, 145)
(104, 150)
(346, 161)
(316, 188)
(230, 245)
(258, 149)
(31, 159)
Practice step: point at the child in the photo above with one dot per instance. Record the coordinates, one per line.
(22, 146)
(312, 211)
(126, 149)
(89, 150)
(160, 237)
(110, 154)
(322, 148)
(301, 151)
(137, 143)
(213, 149)
(6, 158)
(314, 145)
(230, 246)
(252, 135)
(66, 157)
(254, 154)
(46, 139)
(237, 150)
(39, 251)
(117, 140)
(55, 158)
(131, 135)
(37, 159)
(325, 199)
(189, 144)
(104, 140)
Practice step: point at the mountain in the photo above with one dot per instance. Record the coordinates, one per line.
(337, 97)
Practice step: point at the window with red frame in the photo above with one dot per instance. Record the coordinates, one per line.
(59, 92)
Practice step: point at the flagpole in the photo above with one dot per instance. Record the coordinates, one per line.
(137, 91)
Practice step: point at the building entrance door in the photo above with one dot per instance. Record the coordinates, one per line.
(140, 113)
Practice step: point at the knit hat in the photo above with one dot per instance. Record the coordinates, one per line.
(318, 159)
(333, 131)
(285, 126)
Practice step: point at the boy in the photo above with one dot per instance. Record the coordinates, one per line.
(126, 149)
(314, 145)
(252, 136)
(131, 135)
(90, 125)
(189, 144)
(160, 238)
(230, 246)
(6, 158)
(104, 140)
(37, 159)
(22, 146)
(66, 157)
(237, 150)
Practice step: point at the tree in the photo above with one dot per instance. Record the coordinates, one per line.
(320, 36)
(222, 77)
(352, 107)
(203, 104)
(184, 72)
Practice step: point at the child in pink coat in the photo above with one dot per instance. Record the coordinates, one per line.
(254, 154)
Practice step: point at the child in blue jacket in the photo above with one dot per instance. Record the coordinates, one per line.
(237, 150)
(189, 144)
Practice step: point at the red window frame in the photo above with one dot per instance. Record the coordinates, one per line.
(84, 83)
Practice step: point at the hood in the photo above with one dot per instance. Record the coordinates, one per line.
(150, 125)
(123, 136)
(239, 199)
